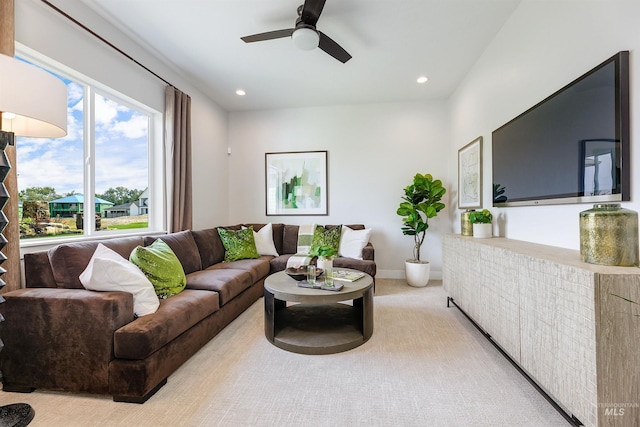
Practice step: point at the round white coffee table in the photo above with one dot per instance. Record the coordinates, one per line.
(319, 322)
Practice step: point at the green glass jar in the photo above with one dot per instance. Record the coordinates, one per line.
(609, 235)
(466, 225)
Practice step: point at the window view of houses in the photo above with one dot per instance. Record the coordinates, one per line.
(40, 217)
(112, 153)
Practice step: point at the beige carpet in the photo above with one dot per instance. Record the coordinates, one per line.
(425, 365)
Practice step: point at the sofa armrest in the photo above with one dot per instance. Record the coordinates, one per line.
(368, 253)
(60, 339)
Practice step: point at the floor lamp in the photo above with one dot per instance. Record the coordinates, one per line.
(33, 103)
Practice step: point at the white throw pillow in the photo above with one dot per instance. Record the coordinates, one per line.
(108, 271)
(353, 241)
(264, 241)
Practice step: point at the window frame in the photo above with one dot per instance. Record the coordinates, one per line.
(155, 156)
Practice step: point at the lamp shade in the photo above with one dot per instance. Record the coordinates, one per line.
(36, 98)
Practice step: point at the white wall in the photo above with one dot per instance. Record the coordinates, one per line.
(542, 47)
(373, 153)
(40, 28)
(374, 150)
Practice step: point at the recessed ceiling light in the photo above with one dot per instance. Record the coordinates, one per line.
(422, 79)
(240, 92)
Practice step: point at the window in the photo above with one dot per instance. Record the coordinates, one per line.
(107, 157)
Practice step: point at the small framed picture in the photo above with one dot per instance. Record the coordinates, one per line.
(296, 183)
(470, 175)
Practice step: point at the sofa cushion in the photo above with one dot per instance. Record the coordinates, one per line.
(238, 244)
(227, 282)
(366, 266)
(108, 271)
(277, 230)
(326, 236)
(290, 239)
(37, 270)
(279, 263)
(184, 246)
(355, 226)
(68, 261)
(175, 315)
(353, 241)
(258, 268)
(210, 245)
(263, 239)
(161, 266)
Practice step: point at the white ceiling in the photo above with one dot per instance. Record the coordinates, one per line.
(392, 43)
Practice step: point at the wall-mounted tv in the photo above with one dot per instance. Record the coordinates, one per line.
(572, 147)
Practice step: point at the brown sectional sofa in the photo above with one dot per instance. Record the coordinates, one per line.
(60, 336)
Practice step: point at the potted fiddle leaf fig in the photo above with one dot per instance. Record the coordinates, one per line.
(421, 202)
(481, 221)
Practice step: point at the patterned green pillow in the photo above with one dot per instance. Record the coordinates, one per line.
(238, 244)
(325, 237)
(161, 266)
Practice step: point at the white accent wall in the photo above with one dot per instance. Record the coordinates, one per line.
(374, 150)
(373, 153)
(542, 47)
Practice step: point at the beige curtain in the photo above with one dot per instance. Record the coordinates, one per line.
(178, 147)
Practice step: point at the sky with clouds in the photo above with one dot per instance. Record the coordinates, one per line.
(121, 149)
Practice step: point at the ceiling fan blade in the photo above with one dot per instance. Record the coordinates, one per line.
(311, 11)
(333, 48)
(270, 35)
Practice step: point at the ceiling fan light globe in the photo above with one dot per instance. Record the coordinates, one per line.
(305, 38)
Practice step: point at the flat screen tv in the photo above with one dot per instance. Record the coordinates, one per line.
(572, 147)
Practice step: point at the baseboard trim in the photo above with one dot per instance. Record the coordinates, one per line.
(399, 274)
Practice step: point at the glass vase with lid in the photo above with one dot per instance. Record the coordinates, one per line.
(609, 235)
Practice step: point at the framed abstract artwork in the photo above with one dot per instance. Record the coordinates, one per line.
(470, 175)
(296, 183)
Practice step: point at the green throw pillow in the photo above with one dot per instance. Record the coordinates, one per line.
(161, 266)
(325, 237)
(238, 244)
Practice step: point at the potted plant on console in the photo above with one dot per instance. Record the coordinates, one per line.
(482, 226)
(421, 201)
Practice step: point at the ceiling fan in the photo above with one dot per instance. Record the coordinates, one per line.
(305, 35)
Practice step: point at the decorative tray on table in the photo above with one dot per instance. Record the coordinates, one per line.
(300, 273)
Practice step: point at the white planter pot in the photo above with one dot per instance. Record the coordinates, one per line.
(482, 231)
(324, 263)
(417, 273)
